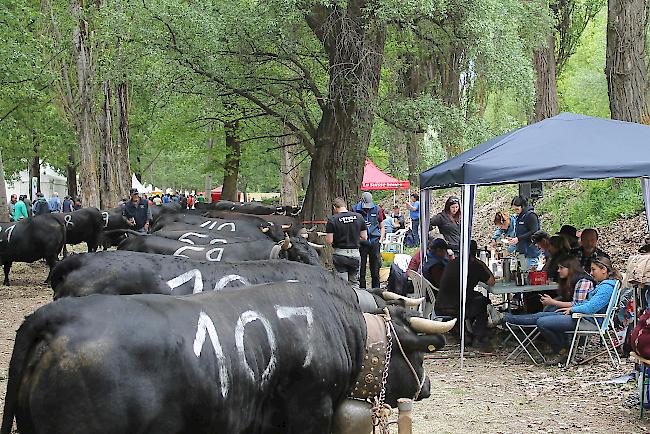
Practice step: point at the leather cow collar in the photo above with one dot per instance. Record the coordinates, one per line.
(370, 381)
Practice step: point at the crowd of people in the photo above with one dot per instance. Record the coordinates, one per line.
(21, 207)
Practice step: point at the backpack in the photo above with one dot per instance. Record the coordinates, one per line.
(41, 208)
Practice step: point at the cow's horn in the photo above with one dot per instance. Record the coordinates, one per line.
(265, 230)
(284, 227)
(321, 234)
(314, 245)
(286, 245)
(409, 302)
(423, 325)
(304, 236)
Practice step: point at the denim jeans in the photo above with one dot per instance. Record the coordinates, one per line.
(526, 319)
(553, 327)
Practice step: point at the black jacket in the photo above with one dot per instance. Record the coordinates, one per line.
(449, 229)
(527, 225)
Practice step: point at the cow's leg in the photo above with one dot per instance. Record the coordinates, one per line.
(65, 250)
(51, 262)
(7, 268)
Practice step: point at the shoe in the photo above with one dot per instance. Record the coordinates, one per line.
(559, 358)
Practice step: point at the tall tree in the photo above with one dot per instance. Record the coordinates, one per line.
(625, 66)
(4, 205)
(546, 100)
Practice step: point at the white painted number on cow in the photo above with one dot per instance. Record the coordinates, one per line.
(9, 231)
(219, 253)
(183, 238)
(179, 251)
(105, 218)
(68, 220)
(240, 329)
(186, 277)
(226, 280)
(288, 312)
(211, 224)
(204, 325)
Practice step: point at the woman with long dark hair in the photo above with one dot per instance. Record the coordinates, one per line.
(553, 327)
(558, 248)
(448, 223)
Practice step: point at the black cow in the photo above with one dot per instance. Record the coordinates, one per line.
(277, 358)
(294, 249)
(31, 239)
(246, 228)
(288, 224)
(82, 226)
(114, 226)
(124, 272)
(251, 208)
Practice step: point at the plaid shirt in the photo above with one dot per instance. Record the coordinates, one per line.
(583, 286)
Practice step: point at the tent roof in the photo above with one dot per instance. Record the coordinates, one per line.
(566, 146)
(375, 179)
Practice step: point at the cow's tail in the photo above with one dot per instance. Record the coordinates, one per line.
(27, 337)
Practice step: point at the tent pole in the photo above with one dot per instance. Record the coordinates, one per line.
(645, 186)
(394, 202)
(466, 234)
(424, 223)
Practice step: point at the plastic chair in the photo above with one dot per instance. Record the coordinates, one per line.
(394, 241)
(586, 328)
(423, 288)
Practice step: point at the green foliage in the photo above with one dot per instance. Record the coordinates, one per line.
(590, 203)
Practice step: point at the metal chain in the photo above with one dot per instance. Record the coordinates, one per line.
(381, 411)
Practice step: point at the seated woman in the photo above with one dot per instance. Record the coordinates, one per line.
(558, 247)
(436, 261)
(553, 327)
(505, 224)
(573, 284)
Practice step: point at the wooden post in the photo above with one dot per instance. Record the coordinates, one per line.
(405, 419)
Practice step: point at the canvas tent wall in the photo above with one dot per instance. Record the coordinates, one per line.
(564, 147)
(50, 182)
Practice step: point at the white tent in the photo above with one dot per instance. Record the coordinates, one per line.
(137, 184)
(50, 182)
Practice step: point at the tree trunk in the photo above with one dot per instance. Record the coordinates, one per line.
(625, 65)
(107, 162)
(289, 171)
(208, 174)
(413, 153)
(231, 164)
(449, 69)
(4, 203)
(71, 170)
(123, 172)
(87, 152)
(354, 41)
(35, 167)
(546, 102)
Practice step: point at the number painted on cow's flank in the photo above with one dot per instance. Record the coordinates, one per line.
(68, 220)
(307, 312)
(219, 253)
(240, 329)
(226, 280)
(211, 224)
(186, 277)
(105, 218)
(183, 238)
(179, 251)
(205, 325)
(9, 231)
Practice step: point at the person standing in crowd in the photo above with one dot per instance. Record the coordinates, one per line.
(374, 217)
(190, 202)
(157, 200)
(344, 231)
(448, 300)
(389, 225)
(200, 198)
(77, 203)
(183, 201)
(20, 210)
(55, 203)
(41, 206)
(448, 223)
(589, 248)
(137, 212)
(569, 232)
(165, 198)
(527, 225)
(414, 214)
(28, 204)
(12, 205)
(398, 219)
(67, 204)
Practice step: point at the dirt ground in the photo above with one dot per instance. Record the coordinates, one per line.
(483, 397)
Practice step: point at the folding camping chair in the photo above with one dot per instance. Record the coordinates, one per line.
(528, 335)
(586, 328)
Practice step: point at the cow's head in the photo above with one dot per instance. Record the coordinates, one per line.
(417, 336)
(298, 249)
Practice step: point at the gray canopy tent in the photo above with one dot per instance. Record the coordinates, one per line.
(565, 147)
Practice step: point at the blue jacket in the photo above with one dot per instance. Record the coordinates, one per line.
(597, 299)
(371, 216)
(510, 232)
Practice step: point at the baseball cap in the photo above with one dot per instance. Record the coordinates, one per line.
(366, 200)
(134, 191)
(567, 230)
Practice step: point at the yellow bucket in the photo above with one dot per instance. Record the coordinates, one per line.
(388, 256)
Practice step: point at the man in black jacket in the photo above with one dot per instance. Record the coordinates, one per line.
(137, 212)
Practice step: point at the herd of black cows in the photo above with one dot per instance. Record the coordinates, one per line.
(221, 320)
